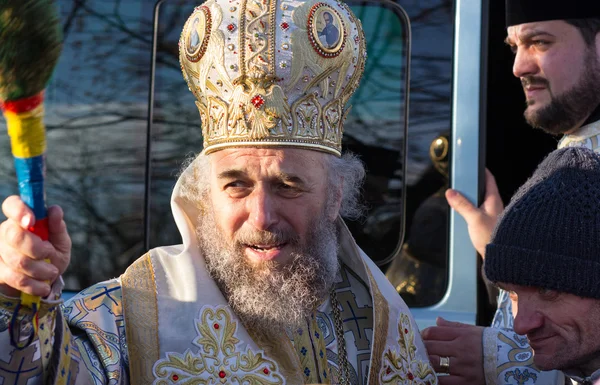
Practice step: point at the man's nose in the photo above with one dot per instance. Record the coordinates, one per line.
(527, 320)
(262, 209)
(524, 64)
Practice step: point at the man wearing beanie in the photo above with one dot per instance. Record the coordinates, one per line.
(544, 251)
(557, 59)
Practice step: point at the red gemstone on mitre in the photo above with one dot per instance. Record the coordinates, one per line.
(410, 376)
(257, 101)
(388, 370)
(222, 374)
(216, 326)
(175, 377)
(231, 27)
(284, 26)
(266, 371)
(405, 331)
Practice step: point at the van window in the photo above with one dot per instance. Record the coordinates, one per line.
(419, 269)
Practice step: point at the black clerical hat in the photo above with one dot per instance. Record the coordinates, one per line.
(527, 11)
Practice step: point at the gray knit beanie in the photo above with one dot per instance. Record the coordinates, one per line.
(549, 234)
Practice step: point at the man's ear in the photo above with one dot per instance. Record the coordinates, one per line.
(334, 209)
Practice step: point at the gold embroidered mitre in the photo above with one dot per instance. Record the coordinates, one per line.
(272, 72)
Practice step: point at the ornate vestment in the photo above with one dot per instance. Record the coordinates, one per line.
(508, 358)
(166, 322)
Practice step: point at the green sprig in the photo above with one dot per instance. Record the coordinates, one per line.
(30, 45)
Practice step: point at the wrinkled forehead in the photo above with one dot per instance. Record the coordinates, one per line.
(268, 162)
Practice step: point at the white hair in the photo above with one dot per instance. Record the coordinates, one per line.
(349, 171)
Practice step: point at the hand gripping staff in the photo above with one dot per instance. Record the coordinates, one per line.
(30, 45)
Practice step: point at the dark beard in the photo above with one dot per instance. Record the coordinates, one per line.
(565, 111)
(271, 297)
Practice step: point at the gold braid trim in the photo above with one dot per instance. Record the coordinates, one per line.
(381, 313)
(140, 309)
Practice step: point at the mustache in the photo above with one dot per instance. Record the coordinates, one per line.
(529, 81)
(266, 237)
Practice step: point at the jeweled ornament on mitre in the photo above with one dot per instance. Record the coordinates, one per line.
(272, 72)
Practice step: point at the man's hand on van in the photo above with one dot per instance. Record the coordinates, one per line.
(482, 220)
(22, 253)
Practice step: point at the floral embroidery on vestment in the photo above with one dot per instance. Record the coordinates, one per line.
(219, 359)
(405, 366)
(521, 377)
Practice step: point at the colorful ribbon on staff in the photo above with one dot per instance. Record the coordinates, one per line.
(25, 122)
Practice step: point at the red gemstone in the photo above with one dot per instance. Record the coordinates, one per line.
(216, 326)
(175, 377)
(410, 376)
(222, 374)
(266, 371)
(388, 370)
(405, 331)
(257, 101)
(231, 27)
(284, 26)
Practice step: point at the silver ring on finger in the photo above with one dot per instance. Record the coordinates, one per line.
(445, 365)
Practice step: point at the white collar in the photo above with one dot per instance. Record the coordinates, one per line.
(583, 137)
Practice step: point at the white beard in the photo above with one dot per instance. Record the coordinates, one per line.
(269, 297)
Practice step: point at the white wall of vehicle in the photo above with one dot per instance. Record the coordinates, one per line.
(460, 301)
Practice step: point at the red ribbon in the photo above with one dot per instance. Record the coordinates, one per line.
(24, 104)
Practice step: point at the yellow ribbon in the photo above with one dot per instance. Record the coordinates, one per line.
(27, 132)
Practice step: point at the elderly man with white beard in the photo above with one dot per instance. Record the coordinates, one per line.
(268, 286)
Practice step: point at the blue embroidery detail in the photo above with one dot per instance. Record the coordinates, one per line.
(521, 377)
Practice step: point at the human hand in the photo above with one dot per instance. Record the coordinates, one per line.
(462, 344)
(481, 221)
(22, 253)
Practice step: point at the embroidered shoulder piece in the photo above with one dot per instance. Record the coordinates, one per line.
(220, 358)
(405, 366)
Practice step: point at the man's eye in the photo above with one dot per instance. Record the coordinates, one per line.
(548, 294)
(234, 184)
(540, 43)
(236, 188)
(289, 190)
